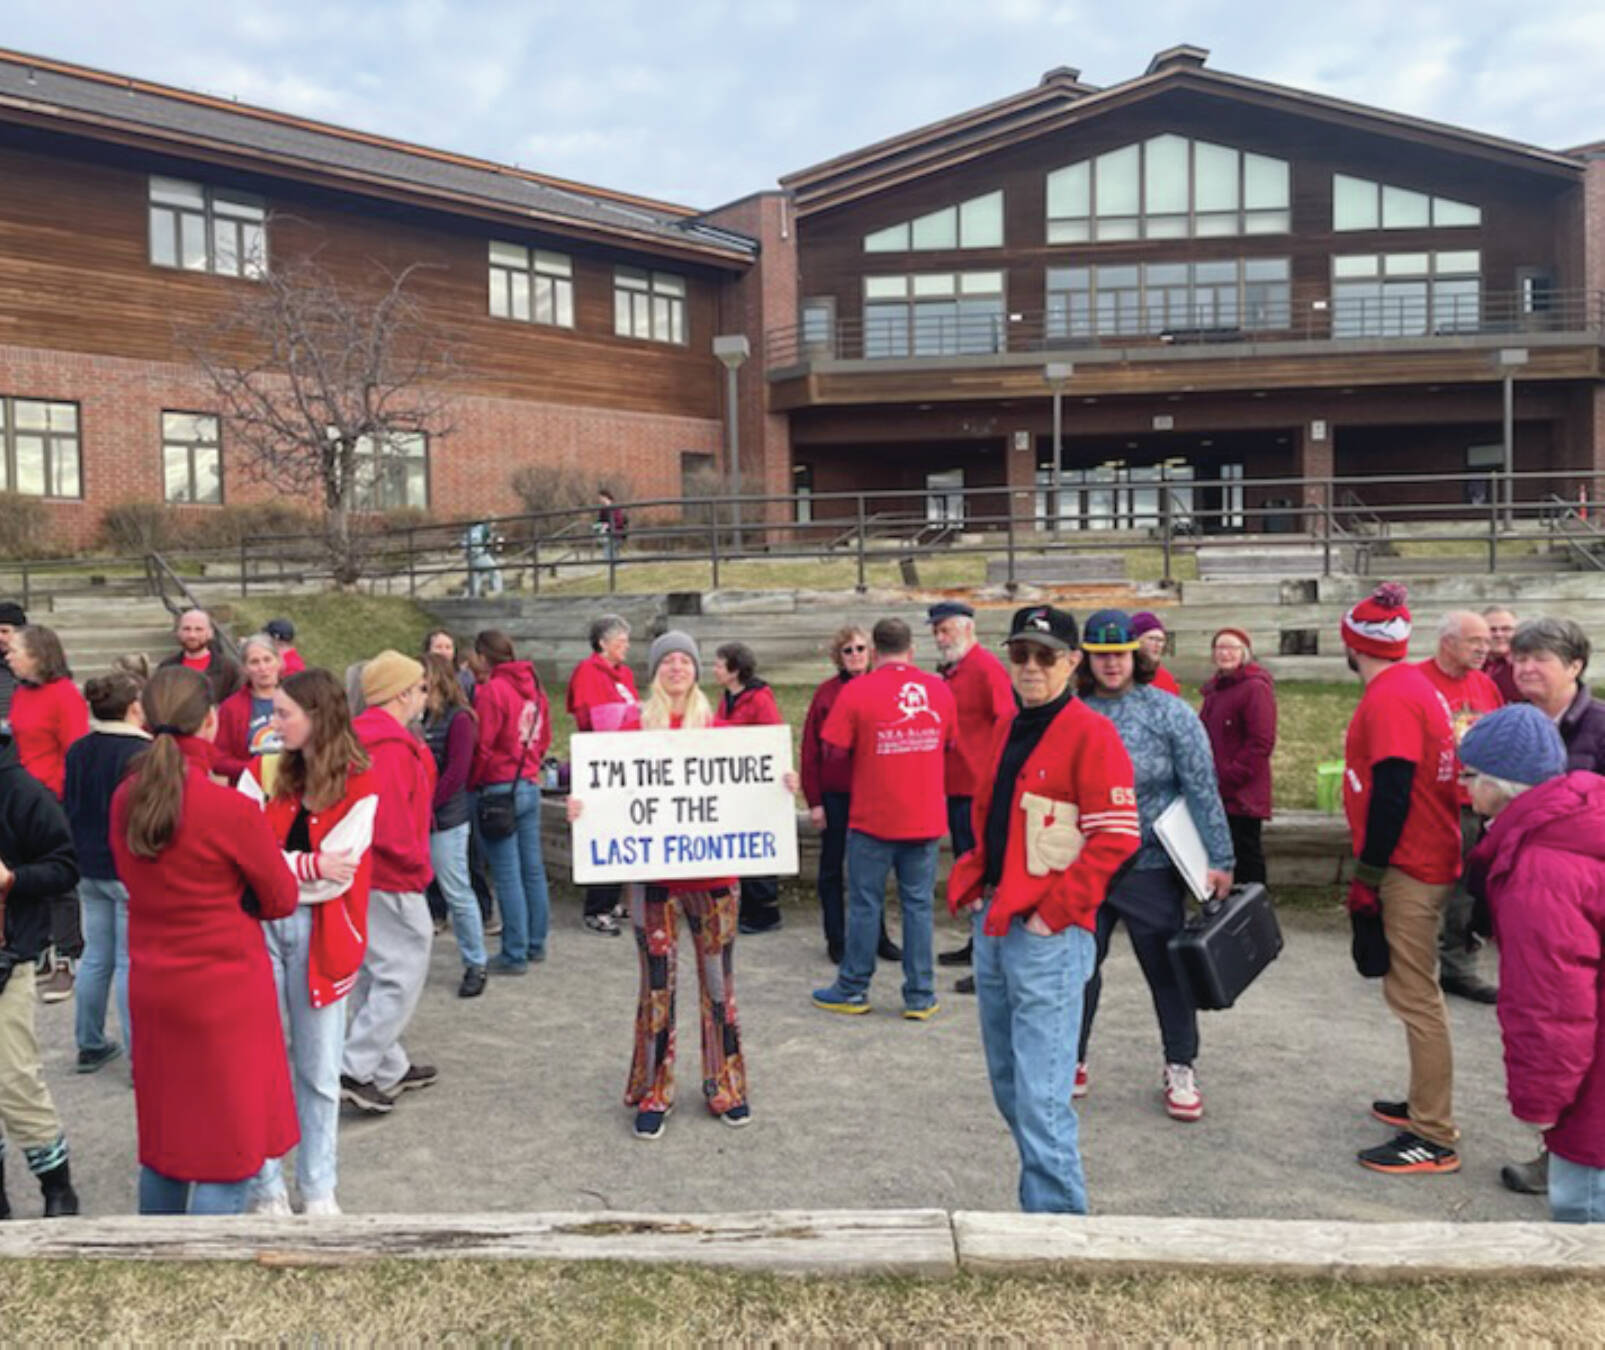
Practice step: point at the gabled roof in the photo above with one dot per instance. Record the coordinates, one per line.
(1061, 100)
(101, 106)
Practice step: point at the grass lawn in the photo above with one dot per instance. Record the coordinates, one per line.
(518, 1302)
(334, 629)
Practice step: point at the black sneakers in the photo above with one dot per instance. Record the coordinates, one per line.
(1396, 1114)
(1408, 1154)
(417, 1076)
(90, 1060)
(961, 957)
(473, 984)
(366, 1097)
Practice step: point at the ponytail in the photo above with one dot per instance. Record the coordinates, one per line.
(176, 703)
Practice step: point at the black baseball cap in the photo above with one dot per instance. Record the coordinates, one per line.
(948, 609)
(11, 613)
(282, 629)
(1046, 626)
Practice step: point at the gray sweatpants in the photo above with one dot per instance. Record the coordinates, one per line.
(400, 932)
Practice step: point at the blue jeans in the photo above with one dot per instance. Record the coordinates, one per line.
(1576, 1192)
(105, 959)
(448, 855)
(869, 859)
(515, 865)
(316, 1040)
(1028, 992)
(159, 1194)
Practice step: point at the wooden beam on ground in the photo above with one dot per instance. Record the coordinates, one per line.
(790, 1242)
(1001, 1243)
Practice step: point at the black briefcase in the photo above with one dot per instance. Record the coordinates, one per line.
(1223, 948)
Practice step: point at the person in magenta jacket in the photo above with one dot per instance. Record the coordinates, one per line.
(515, 728)
(211, 1079)
(1541, 867)
(1239, 713)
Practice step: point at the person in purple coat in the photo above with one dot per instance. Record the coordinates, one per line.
(1239, 713)
(1541, 868)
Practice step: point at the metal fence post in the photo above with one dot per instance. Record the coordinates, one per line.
(1012, 583)
(1493, 532)
(863, 584)
(1326, 528)
(245, 585)
(27, 598)
(535, 564)
(412, 564)
(713, 544)
(1167, 507)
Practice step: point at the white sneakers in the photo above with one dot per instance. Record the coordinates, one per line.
(322, 1207)
(277, 1206)
(1182, 1099)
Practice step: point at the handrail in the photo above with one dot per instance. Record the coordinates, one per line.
(1568, 514)
(159, 572)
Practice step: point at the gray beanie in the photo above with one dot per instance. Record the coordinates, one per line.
(672, 641)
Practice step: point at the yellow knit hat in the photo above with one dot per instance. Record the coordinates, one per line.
(387, 676)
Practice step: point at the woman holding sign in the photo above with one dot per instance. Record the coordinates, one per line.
(709, 909)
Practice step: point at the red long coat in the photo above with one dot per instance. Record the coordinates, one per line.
(211, 1082)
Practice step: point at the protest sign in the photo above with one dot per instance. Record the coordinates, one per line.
(675, 805)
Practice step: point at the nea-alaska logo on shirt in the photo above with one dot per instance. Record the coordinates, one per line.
(917, 731)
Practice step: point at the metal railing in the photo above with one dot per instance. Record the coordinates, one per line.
(1132, 317)
(176, 597)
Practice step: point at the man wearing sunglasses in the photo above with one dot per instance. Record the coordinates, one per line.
(984, 698)
(1054, 821)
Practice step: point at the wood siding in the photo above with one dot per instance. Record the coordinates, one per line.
(1528, 219)
(75, 276)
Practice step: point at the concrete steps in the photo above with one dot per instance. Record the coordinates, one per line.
(95, 631)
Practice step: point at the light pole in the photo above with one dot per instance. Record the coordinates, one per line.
(1511, 359)
(732, 350)
(1057, 374)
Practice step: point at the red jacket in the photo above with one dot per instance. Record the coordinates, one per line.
(754, 706)
(404, 775)
(45, 720)
(1542, 867)
(291, 662)
(597, 681)
(824, 768)
(339, 926)
(985, 699)
(211, 1081)
(1163, 679)
(1080, 759)
(231, 751)
(513, 713)
(1239, 713)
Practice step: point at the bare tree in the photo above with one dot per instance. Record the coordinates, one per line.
(313, 375)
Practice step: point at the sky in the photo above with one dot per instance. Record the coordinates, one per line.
(704, 101)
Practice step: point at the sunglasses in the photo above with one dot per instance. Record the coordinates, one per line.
(854, 649)
(1045, 657)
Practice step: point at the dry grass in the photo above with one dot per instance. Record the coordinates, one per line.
(538, 1302)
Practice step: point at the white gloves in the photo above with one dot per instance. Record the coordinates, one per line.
(1052, 841)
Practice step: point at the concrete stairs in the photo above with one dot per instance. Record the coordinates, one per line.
(95, 630)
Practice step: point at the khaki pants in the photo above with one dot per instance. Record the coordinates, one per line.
(26, 1109)
(1411, 914)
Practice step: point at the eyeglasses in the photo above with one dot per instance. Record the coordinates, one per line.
(1021, 652)
(854, 649)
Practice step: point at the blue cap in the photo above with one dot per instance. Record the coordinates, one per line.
(1517, 743)
(1109, 630)
(948, 609)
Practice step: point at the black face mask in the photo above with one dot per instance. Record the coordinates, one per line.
(1354, 665)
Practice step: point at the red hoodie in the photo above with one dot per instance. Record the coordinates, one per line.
(513, 714)
(404, 776)
(45, 720)
(1542, 867)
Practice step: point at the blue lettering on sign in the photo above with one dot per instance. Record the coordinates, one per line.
(731, 846)
(629, 851)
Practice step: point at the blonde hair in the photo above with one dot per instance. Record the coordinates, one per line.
(657, 710)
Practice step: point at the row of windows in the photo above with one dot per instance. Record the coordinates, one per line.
(198, 228)
(42, 458)
(1170, 187)
(964, 313)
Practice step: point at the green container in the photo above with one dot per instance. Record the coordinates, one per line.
(1329, 786)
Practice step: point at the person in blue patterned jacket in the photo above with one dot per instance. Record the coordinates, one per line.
(1170, 753)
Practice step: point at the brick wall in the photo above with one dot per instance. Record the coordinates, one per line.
(121, 402)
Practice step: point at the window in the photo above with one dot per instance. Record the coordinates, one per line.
(934, 314)
(802, 489)
(1359, 204)
(1406, 294)
(944, 497)
(649, 305)
(819, 324)
(40, 444)
(976, 223)
(192, 458)
(393, 474)
(532, 285)
(1174, 298)
(1168, 187)
(203, 229)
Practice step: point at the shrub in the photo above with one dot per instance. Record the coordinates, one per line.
(145, 527)
(24, 526)
(544, 488)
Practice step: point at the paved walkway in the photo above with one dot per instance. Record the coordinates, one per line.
(874, 1111)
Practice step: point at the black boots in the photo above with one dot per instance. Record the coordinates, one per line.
(5, 1205)
(60, 1198)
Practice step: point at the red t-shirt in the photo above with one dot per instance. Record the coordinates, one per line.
(896, 722)
(984, 697)
(200, 663)
(1401, 716)
(1468, 697)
